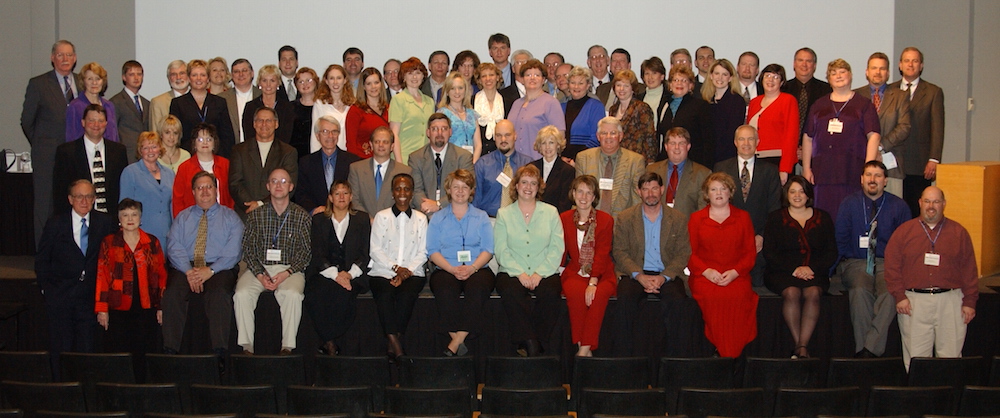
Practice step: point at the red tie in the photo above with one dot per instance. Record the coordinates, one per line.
(877, 101)
(672, 186)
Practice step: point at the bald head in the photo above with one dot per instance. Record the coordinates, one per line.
(504, 136)
(932, 205)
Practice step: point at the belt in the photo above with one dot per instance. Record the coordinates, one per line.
(930, 290)
(651, 273)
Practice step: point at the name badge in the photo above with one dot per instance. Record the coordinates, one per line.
(273, 255)
(464, 256)
(671, 204)
(863, 242)
(931, 259)
(606, 184)
(437, 196)
(889, 159)
(582, 274)
(835, 126)
(503, 179)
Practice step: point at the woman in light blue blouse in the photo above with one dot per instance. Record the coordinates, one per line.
(528, 240)
(456, 103)
(151, 183)
(460, 244)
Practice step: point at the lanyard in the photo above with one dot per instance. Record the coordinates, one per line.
(933, 241)
(864, 211)
(836, 112)
(274, 241)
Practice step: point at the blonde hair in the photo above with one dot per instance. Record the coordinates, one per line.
(449, 83)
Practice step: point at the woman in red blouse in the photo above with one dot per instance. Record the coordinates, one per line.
(776, 117)
(373, 102)
(204, 143)
(722, 254)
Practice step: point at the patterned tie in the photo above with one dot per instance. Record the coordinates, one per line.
(69, 89)
(505, 191)
(908, 90)
(328, 172)
(290, 89)
(746, 94)
(872, 242)
(138, 105)
(745, 180)
(84, 231)
(378, 181)
(101, 203)
(803, 106)
(877, 101)
(672, 185)
(609, 173)
(201, 240)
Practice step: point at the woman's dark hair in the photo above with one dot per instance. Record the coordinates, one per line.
(774, 69)
(128, 203)
(210, 130)
(807, 188)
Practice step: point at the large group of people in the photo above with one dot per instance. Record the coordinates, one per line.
(579, 181)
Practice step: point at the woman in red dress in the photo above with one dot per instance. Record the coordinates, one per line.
(722, 254)
(589, 278)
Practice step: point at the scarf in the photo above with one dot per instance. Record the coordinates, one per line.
(587, 247)
(488, 117)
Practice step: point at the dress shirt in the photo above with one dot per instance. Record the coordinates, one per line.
(905, 267)
(536, 247)
(288, 232)
(854, 216)
(284, 82)
(222, 247)
(487, 169)
(398, 239)
(70, 79)
(91, 148)
(880, 90)
(652, 259)
(505, 72)
(547, 167)
(596, 82)
(242, 98)
(912, 87)
(448, 235)
(381, 167)
(749, 88)
(77, 225)
(680, 172)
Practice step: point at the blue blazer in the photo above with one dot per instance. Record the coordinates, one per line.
(138, 184)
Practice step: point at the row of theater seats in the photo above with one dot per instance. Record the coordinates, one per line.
(513, 386)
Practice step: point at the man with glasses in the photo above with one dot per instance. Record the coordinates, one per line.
(597, 61)
(318, 171)
(682, 176)
(617, 169)
(433, 162)
(253, 160)
(243, 92)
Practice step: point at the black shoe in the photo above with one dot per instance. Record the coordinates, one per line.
(864, 353)
(170, 351)
(220, 354)
(329, 348)
(533, 348)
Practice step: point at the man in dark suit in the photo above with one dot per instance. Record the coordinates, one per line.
(704, 56)
(682, 176)
(747, 69)
(243, 92)
(515, 90)
(758, 189)
(433, 162)
(894, 117)
(247, 174)
(318, 171)
(288, 64)
(133, 109)
(92, 158)
(370, 178)
(390, 72)
(66, 266)
(437, 64)
(804, 87)
(43, 121)
(922, 151)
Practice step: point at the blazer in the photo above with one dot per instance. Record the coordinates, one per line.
(311, 190)
(695, 115)
(606, 93)
(248, 177)
(159, 109)
(234, 110)
(557, 185)
(894, 120)
(424, 171)
(629, 247)
(603, 266)
(186, 109)
(362, 180)
(356, 242)
(926, 138)
(71, 165)
(43, 115)
(815, 89)
(765, 190)
(130, 122)
(687, 198)
(630, 167)
(286, 119)
(509, 94)
(59, 262)
(183, 196)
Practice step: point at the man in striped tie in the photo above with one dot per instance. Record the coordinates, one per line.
(93, 158)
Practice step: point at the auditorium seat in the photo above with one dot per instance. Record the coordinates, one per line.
(421, 401)
(138, 400)
(608, 373)
(522, 372)
(772, 374)
(306, 416)
(93, 368)
(995, 371)
(25, 366)
(979, 401)
(384, 415)
(439, 373)
(30, 397)
(696, 372)
(275, 370)
(11, 413)
(308, 400)
(243, 401)
(332, 371)
(182, 370)
(621, 401)
(699, 403)
(912, 401)
(524, 402)
(808, 403)
(955, 372)
(59, 414)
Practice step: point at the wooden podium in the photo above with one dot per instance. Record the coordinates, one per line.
(972, 190)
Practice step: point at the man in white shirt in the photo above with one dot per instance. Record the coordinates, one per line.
(597, 61)
(747, 69)
(159, 106)
(390, 73)
(288, 64)
(354, 62)
(132, 109)
(238, 97)
(499, 45)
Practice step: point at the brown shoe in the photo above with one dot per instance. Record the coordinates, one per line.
(285, 352)
(247, 352)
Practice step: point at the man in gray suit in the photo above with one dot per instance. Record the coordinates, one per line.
(433, 162)
(922, 152)
(616, 168)
(238, 97)
(248, 174)
(682, 176)
(133, 109)
(159, 106)
(370, 178)
(43, 121)
(893, 115)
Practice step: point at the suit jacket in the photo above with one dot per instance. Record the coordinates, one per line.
(630, 167)
(687, 198)
(695, 115)
(557, 185)
(248, 177)
(424, 171)
(131, 123)
(159, 109)
(286, 118)
(311, 190)
(926, 139)
(894, 120)
(815, 89)
(235, 116)
(362, 180)
(71, 165)
(629, 246)
(186, 109)
(765, 190)
(509, 94)
(356, 242)
(603, 266)
(59, 262)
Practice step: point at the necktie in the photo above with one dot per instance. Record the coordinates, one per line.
(328, 172)
(69, 89)
(290, 89)
(101, 203)
(908, 90)
(745, 180)
(746, 94)
(84, 231)
(803, 107)
(609, 173)
(872, 242)
(437, 165)
(138, 105)
(201, 240)
(877, 101)
(505, 191)
(378, 181)
(672, 185)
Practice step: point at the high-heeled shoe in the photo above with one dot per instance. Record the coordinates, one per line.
(395, 347)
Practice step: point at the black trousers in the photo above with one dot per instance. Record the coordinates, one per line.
(527, 323)
(331, 306)
(913, 187)
(454, 312)
(676, 306)
(218, 299)
(395, 304)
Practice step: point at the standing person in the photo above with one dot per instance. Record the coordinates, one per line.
(438, 64)
(409, 110)
(466, 63)
(529, 245)
(237, 98)
(177, 78)
(267, 81)
(354, 61)
(728, 108)
(722, 254)
(335, 97)
(152, 184)
(218, 76)
(373, 102)
(893, 115)
(499, 46)
(456, 104)
(390, 70)
(488, 104)
(589, 279)
(302, 130)
(535, 109)
(636, 117)
(398, 250)
(687, 110)
(931, 272)
(254, 161)
(95, 83)
(805, 88)
(131, 276)
(776, 116)
(276, 250)
(132, 115)
(288, 63)
(66, 266)
(204, 142)
(170, 136)
(90, 157)
(748, 67)
(200, 106)
(582, 112)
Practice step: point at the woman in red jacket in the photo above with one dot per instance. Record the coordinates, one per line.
(776, 117)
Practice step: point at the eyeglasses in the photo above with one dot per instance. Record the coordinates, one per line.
(205, 139)
(306, 81)
(598, 56)
(79, 197)
(279, 181)
(770, 76)
(204, 187)
(265, 120)
(329, 132)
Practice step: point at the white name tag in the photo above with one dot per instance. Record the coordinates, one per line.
(671, 204)
(582, 274)
(931, 259)
(464, 256)
(606, 184)
(863, 242)
(273, 255)
(835, 126)
(889, 159)
(503, 179)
